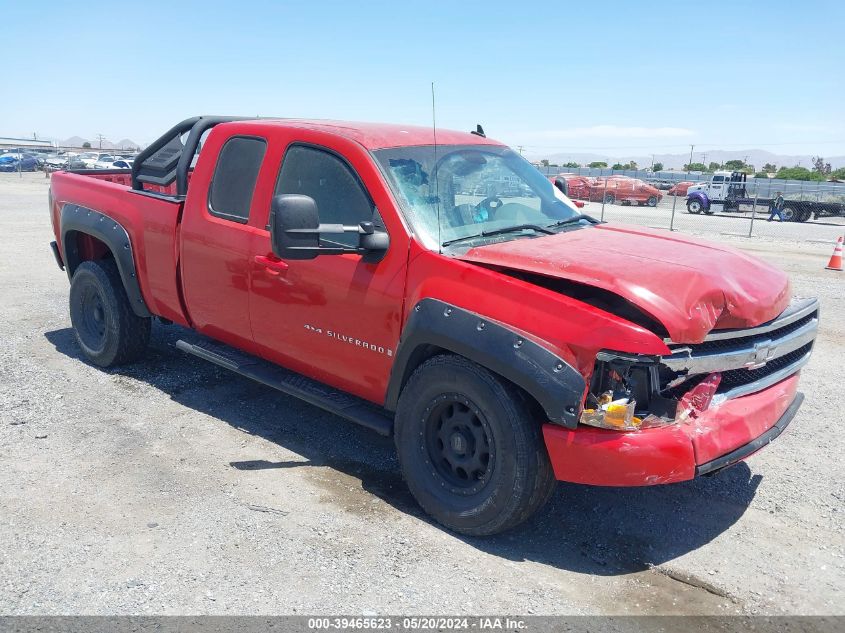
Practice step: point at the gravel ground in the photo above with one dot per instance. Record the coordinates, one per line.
(173, 487)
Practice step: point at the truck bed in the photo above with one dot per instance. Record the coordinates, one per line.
(150, 218)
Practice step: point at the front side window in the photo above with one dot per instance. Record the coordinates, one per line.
(451, 192)
(234, 178)
(337, 190)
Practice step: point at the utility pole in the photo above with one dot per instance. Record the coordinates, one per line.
(520, 148)
(100, 138)
(704, 158)
(689, 164)
(652, 162)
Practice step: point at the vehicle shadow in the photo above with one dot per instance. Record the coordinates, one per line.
(592, 530)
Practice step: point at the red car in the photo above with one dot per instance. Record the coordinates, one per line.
(624, 190)
(503, 343)
(680, 189)
(578, 186)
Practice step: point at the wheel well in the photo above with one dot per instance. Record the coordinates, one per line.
(422, 353)
(82, 247)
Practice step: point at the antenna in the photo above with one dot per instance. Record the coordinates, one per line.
(434, 168)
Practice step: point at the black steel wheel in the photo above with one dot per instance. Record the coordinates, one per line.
(470, 447)
(459, 443)
(609, 198)
(106, 328)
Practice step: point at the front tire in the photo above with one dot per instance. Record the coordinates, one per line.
(471, 452)
(106, 328)
(789, 214)
(652, 201)
(609, 198)
(694, 207)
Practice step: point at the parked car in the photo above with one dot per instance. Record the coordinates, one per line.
(680, 189)
(10, 162)
(661, 184)
(624, 190)
(56, 161)
(578, 187)
(89, 158)
(122, 163)
(104, 161)
(502, 343)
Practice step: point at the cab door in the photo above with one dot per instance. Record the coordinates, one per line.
(216, 234)
(717, 188)
(335, 318)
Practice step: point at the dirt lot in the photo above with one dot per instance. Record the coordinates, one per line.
(174, 487)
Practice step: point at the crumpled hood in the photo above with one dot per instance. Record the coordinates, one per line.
(688, 285)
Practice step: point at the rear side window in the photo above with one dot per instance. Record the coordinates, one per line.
(234, 178)
(337, 190)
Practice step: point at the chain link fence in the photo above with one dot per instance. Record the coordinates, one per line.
(812, 211)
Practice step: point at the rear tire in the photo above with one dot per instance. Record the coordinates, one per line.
(471, 452)
(652, 201)
(609, 198)
(106, 328)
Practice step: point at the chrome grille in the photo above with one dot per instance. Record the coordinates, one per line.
(749, 359)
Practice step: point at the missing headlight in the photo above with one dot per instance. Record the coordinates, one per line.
(625, 394)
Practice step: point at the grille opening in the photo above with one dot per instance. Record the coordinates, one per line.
(739, 339)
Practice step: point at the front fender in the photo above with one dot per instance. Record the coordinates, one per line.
(701, 197)
(549, 379)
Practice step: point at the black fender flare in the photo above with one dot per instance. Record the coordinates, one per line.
(557, 386)
(75, 218)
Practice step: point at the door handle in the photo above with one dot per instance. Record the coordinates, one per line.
(275, 265)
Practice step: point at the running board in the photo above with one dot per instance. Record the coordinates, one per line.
(311, 391)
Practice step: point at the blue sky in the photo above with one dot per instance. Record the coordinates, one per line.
(629, 77)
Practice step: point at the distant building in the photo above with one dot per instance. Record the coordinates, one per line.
(7, 142)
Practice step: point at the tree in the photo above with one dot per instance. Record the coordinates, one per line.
(761, 174)
(798, 173)
(735, 165)
(657, 167)
(597, 164)
(695, 167)
(86, 145)
(838, 174)
(770, 168)
(617, 166)
(572, 165)
(545, 162)
(821, 167)
(713, 166)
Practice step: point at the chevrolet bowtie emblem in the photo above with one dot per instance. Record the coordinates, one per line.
(763, 353)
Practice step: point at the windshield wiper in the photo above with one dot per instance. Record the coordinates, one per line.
(574, 219)
(507, 229)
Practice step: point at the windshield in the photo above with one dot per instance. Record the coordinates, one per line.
(470, 190)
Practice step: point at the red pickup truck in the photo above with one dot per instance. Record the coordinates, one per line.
(505, 341)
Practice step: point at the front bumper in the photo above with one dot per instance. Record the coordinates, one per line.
(723, 435)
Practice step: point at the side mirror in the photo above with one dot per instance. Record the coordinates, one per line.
(561, 184)
(295, 231)
(294, 227)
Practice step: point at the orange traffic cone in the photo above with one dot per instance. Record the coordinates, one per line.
(835, 262)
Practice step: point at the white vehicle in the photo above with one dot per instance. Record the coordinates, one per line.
(121, 162)
(89, 158)
(718, 187)
(104, 161)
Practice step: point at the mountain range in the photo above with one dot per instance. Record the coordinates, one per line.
(78, 141)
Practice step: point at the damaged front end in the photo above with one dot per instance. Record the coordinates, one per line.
(631, 392)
